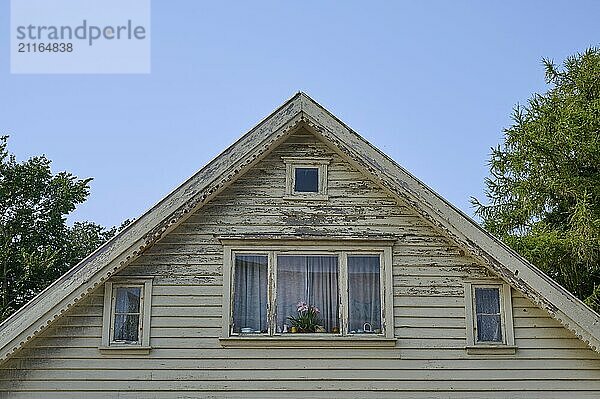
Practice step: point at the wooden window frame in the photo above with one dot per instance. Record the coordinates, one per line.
(507, 346)
(342, 251)
(145, 285)
(291, 163)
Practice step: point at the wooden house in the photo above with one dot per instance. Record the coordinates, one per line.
(302, 262)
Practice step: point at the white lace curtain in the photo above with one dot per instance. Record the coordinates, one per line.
(306, 278)
(364, 294)
(250, 294)
(127, 314)
(487, 308)
(310, 279)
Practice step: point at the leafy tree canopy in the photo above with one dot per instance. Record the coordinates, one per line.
(36, 244)
(544, 183)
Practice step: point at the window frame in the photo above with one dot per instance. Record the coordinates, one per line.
(321, 164)
(342, 252)
(507, 346)
(108, 317)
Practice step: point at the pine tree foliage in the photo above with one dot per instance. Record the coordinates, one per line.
(544, 186)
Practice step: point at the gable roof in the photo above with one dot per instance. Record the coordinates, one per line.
(300, 110)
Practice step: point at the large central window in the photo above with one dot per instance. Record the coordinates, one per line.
(308, 282)
(282, 292)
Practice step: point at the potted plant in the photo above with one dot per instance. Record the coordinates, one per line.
(307, 320)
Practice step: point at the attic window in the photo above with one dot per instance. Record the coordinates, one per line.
(488, 323)
(126, 320)
(489, 318)
(306, 178)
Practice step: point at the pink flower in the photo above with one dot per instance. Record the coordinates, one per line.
(316, 309)
(302, 306)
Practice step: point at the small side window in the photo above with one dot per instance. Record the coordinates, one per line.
(487, 312)
(126, 320)
(488, 308)
(127, 310)
(306, 178)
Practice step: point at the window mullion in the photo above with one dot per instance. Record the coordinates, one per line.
(272, 293)
(343, 288)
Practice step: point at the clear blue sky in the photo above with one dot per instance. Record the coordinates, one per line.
(430, 83)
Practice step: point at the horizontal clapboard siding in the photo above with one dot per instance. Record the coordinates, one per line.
(187, 360)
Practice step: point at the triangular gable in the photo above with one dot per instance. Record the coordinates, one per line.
(239, 157)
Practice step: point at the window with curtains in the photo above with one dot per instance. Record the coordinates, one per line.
(282, 292)
(250, 287)
(489, 315)
(127, 313)
(488, 322)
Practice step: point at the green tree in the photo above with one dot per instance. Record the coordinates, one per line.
(544, 183)
(36, 244)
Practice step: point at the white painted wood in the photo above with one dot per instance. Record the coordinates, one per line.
(227, 284)
(388, 294)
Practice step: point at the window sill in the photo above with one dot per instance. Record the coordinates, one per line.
(306, 197)
(491, 349)
(307, 341)
(125, 349)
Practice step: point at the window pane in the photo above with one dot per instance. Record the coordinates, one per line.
(127, 299)
(312, 280)
(487, 300)
(126, 327)
(250, 294)
(364, 295)
(487, 309)
(306, 180)
(489, 328)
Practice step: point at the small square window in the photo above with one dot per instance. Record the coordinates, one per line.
(306, 180)
(127, 313)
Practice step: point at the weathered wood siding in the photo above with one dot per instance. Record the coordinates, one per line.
(187, 360)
